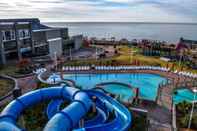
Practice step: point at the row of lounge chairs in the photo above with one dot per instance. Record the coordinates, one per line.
(187, 74)
(131, 68)
(83, 68)
(109, 68)
(119, 68)
(76, 68)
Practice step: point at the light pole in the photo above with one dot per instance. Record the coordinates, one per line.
(55, 60)
(192, 110)
(70, 53)
(181, 57)
(96, 54)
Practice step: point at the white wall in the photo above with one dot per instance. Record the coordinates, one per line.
(78, 40)
(55, 45)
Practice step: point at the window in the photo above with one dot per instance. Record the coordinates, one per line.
(23, 33)
(12, 35)
(26, 33)
(8, 35)
(3, 33)
(20, 32)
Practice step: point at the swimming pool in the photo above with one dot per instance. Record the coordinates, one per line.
(183, 95)
(125, 93)
(147, 83)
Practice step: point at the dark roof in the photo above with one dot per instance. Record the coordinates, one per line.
(33, 20)
(189, 41)
(36, 25)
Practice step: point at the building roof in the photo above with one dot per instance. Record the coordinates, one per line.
(36, 25)
(36, 20)
(190, 41)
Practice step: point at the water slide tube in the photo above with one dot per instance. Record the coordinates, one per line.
(104, 105)
(122, 119)
(63, 120)
(101, 116)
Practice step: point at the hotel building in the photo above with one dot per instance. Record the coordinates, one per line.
(21, 38)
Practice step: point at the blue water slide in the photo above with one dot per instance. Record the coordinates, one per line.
(69, 117)
(63, 120)
(53, 107)
(101, 116)
(122, 120)
(104, 104)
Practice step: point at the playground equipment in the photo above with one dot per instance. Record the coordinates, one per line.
(69, 117)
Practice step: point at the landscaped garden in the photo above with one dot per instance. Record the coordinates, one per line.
(23, 67)
(183, 110)
(131, 56)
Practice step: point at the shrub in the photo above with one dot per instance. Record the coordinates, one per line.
(184, 107)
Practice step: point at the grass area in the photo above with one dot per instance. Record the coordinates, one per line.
(150, 60)
(128, 56)
(5, 86)
(9, 69)
(13, 70)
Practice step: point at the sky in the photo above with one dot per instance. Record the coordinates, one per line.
(101, 10)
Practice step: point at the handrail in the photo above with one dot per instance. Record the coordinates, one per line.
(174, 117)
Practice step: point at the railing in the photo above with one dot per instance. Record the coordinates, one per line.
(174, 128)
(37, 44)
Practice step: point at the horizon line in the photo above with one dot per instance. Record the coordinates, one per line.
(119, 22)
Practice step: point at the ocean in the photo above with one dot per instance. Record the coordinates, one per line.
(170, 32)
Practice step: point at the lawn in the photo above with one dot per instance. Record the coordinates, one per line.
(13, 70)
(8, 69)
(128, 56)
(5, 86)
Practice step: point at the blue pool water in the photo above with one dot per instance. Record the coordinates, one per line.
(125, 92)
(147, 83)
(183, 95)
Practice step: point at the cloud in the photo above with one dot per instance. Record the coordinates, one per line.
(102, 10)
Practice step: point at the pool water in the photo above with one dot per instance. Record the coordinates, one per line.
(125, 93)
(183, 95)
(147, 83)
